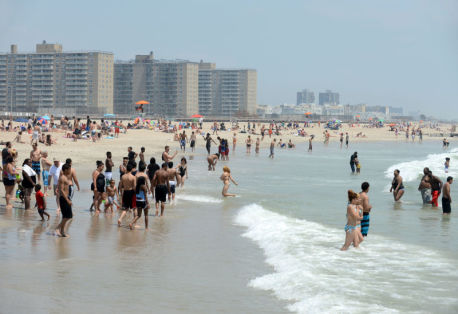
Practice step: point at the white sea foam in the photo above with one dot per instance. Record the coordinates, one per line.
(198, 198)
(413, 170)
(314, 276)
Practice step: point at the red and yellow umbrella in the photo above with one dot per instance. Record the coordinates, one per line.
(196, 116)
(142, 102)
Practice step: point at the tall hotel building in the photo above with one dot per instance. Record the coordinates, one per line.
(52, 81)
(182, 88)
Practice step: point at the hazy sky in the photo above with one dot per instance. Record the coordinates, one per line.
(379, 52)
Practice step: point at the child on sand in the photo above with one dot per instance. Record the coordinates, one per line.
(41, 202)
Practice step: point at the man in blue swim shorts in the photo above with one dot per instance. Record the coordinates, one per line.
(35, 155)
(366, 208)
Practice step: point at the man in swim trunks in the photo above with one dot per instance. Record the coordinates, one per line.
(193, 141)
(173, 179)
(248, 144)
(127, 188)
(45, 164)
(108, 168)
(436, 187)
(35, 155)
(54, 175)
(366, 208)
(425, 187)
(36, 134)
(272, 147)
(162, 187)
(446, 198)
(64, 202)
(183, 140)
(73, 179)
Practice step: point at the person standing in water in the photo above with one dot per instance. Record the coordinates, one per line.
(396, 186)
(258, 143)
(447, 164)
(347, 137)
(64, 201)
(127, 188)
(353, 221)
(212, 160)
(193, 141)
(310, 143)
(162, 187)
(226, 177)
(425, 187)
(272, 148)
(366, 208)
(234, 142)
(436, 187)
(141, 194)
(446, 198)
(248, 144)
(208, 143)
(353, 159)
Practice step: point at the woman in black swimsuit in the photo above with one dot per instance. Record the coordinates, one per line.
(183, 171)
(396, 186)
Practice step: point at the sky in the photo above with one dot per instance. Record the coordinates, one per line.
(378, 52)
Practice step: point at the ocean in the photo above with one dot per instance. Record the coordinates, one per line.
(272, 249)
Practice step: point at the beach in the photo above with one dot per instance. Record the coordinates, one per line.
(272, 249)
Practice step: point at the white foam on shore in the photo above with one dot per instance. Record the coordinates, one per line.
(413, 170)
(198, 198)
(314, 276)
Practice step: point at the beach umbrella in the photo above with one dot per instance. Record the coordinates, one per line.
(381, 120)
(358, 116)
(196, 116)
(21, 120)
(308, 113)
(109, 115)
(142, 102)
(42, 121)
(45, 117)
(370, 119)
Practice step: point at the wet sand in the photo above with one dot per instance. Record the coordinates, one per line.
(191, 261)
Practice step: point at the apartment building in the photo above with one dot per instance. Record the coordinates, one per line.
(50, 80)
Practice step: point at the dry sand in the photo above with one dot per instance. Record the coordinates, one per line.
(86, 152)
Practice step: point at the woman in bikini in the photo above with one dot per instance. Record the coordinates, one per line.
(354, 217)
(226, 177)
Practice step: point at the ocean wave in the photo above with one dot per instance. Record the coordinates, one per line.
(198, 198)
(313, 275)
(413, 170)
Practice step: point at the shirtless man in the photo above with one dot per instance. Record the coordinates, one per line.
(193, 141)
(64, 201)
(366, 208)
(173, 179)
(183, 140)
(446, 197)
(272, 147)
(212, 160)
(45, 164)
(141, 173)
(162, 187)
(127, 188)
(36, 134)
(35, 155)
(234, 142)
(258, 143)
(425, 187)
(73, 179)
(248, 144)
(166, 157)
(109, 168)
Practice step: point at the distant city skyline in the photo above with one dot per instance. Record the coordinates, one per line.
(386, 53)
